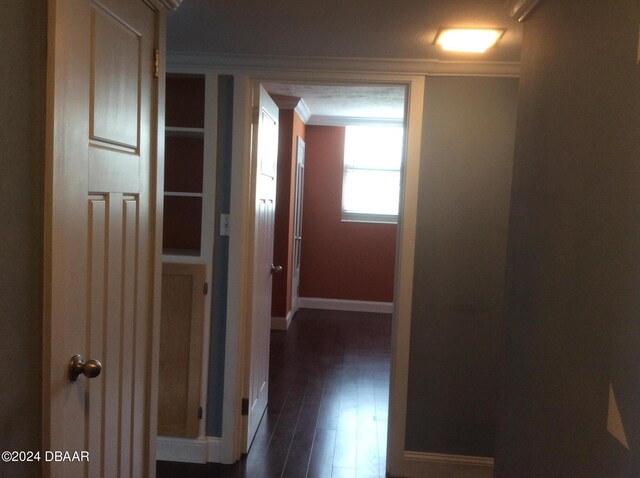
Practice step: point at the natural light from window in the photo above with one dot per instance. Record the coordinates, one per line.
(371, 185)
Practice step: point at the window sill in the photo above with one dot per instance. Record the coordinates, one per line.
(370, 218)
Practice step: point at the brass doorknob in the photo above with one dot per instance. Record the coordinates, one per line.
(275, 269)
(77, 366)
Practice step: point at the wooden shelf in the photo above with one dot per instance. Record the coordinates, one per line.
(180, 252)
(180, 132)
(182, 194)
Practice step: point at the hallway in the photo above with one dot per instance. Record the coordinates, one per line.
(328, 401)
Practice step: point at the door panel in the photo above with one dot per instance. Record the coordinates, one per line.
(297, 225)
(114, 99)
(99, 256)
(181, 330)
(115, 82)
(265, 153)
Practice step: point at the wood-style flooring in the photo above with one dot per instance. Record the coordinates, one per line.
(328, 402)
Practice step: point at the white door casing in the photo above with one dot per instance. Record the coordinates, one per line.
(241, 207)
(264, 156)
(101, 235)
(297, 225)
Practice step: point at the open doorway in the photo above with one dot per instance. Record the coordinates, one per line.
(348, 284)
(355, 155)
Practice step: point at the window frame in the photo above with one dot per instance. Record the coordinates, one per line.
(364, 217)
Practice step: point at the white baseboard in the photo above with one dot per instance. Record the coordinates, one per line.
(281, 323)
(189, 450)
(438, 465)
(348, 305)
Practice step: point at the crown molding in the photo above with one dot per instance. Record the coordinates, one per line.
(285, 102)
(323, 120)
(170, 4)
(303, 111)
(293, 103)
(199, 61)
(521, 9)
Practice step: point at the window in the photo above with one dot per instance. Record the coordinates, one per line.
(371, 184)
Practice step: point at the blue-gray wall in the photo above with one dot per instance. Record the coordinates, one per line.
(460, 262)
(22, 131)
(220, 258)
(573, 301)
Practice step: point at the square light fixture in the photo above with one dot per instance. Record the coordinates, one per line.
(469, 40)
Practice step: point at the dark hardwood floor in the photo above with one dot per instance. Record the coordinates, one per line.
(328, 402)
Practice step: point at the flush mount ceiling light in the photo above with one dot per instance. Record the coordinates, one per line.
(470, 40)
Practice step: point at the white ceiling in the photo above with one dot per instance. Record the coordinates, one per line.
(387, 29)
(345, 103)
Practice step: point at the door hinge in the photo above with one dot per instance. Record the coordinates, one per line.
(245, 406)
(199, 413)
(205, 288)
(255, 115)
(156, 63)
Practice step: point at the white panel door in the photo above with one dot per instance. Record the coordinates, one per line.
(100, 224)
(297, 225)
(264, 153)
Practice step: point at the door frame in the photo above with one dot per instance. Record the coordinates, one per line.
(244, 69)
(298, 208)
(241, 247)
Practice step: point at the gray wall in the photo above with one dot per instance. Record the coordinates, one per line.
(461, 247)
(573, 301)
(22, 109)
(215, 385)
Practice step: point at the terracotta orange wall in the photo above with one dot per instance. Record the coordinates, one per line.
(340, 260)
(291, 127)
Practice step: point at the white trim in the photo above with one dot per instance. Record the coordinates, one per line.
(189, 450)
(184, 259)
(208, 236)
(303, 111)
(348, 216)
(170, 4)
(214, 451)
(281, 323)
(183, 450)
(285, 102)
(348, 305)
(184, 195)
(438, 465)
(199, 60)
(240, 258)
(323, 120)
(521, 9)
(293, 103)
(179, 131)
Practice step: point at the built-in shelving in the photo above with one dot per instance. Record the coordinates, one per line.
(189, 193)
(184, 164)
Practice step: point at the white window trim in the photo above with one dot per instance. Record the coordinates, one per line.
(367, 217)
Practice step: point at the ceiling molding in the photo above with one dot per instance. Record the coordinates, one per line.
(199, 61)
(170, 4)
(321, 120)
(285, 102)
(303, 111)
(293, 103)
(521, 9)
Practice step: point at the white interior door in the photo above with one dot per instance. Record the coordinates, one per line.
(264, 151)
(100, 224)
(297, 225)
